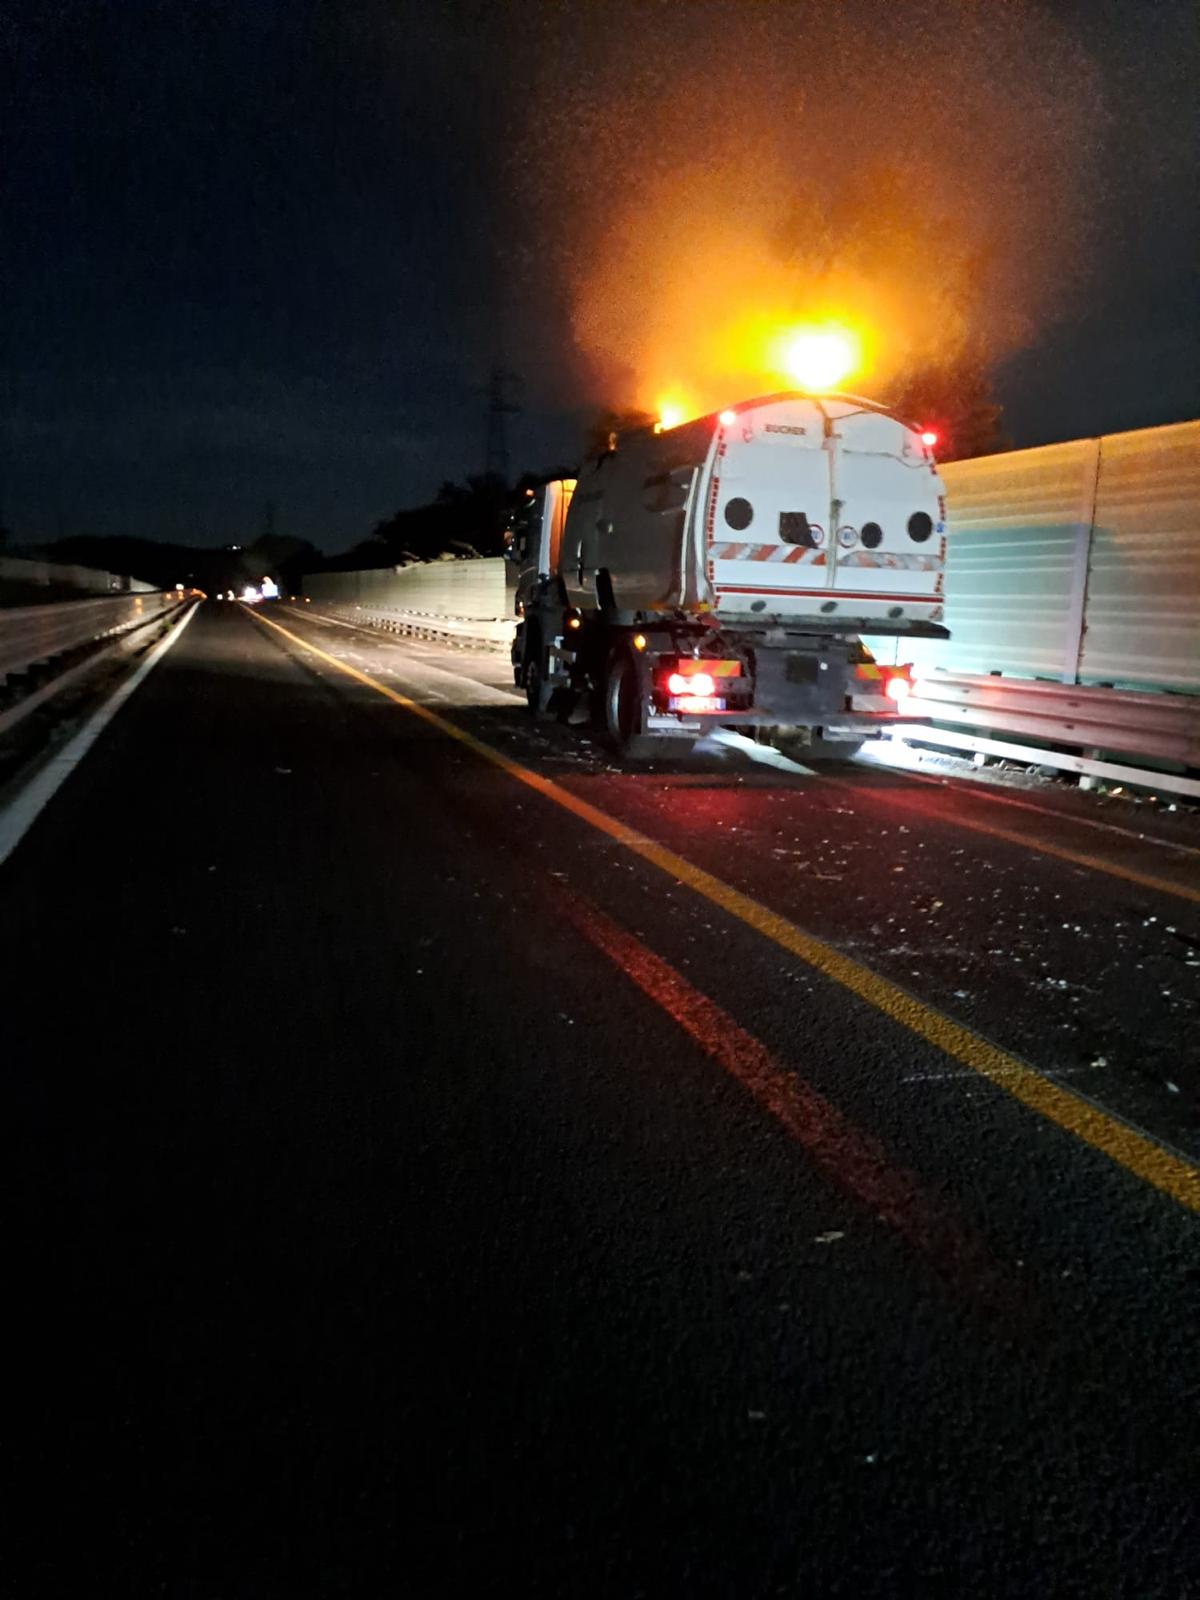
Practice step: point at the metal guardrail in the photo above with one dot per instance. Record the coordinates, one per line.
(1163, 727)
(31, 635)
(967, 711)
(474, 632)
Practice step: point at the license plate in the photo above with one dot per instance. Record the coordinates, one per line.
(699, 702)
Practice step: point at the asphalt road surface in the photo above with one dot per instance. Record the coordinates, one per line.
(449, 1164)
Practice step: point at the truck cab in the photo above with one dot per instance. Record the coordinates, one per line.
(532, 546)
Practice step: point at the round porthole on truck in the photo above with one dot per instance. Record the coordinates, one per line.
(739, 513)
(872, 535)
(920, 526)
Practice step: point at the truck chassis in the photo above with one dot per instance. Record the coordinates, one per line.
(654, 685)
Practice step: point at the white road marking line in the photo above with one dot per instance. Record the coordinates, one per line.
(17, 818)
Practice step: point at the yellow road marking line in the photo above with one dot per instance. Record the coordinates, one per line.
(1078, 858)
(1170, 1173)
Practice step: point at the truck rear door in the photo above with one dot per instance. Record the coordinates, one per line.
(768, 509)
(889, 551)
(823, 507)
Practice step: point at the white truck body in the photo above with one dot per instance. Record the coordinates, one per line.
(787, 507)
(725, 571)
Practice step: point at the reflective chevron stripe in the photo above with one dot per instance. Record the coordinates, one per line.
(784, 554)
(901, 561)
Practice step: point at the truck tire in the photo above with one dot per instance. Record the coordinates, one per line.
(537, 691)
(624, 709)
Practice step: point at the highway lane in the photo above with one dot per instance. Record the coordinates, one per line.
(1066, 930)
(424, 1189)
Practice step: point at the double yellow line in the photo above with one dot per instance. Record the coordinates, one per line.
(1166, 1171)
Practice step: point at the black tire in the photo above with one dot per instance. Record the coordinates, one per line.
(537, 691)
(624, 708)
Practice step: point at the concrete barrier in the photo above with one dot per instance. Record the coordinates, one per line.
(479, 590)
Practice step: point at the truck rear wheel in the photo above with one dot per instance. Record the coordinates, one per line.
(625, 710)
(537, 691)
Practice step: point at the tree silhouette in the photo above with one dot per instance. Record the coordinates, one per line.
(615, 419)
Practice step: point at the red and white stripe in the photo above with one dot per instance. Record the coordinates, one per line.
(792, 555)
(824, 594)
(899, 561)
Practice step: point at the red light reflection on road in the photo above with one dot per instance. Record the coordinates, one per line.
(851, 1158)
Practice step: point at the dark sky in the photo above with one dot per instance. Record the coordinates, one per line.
(269, 250)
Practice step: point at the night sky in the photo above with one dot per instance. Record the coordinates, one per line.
(269, 250)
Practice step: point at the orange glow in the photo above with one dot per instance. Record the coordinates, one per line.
(639, 641)
(671, 409)
(758, 352)
(773, 174)
(818, 358)
(728, 319)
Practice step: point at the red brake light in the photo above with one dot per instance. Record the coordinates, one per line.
(929, 438)
(897, 689)
(699, 683)
(700, 676)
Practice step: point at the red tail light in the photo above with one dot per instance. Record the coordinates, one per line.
(699, 683)
(897, 688)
